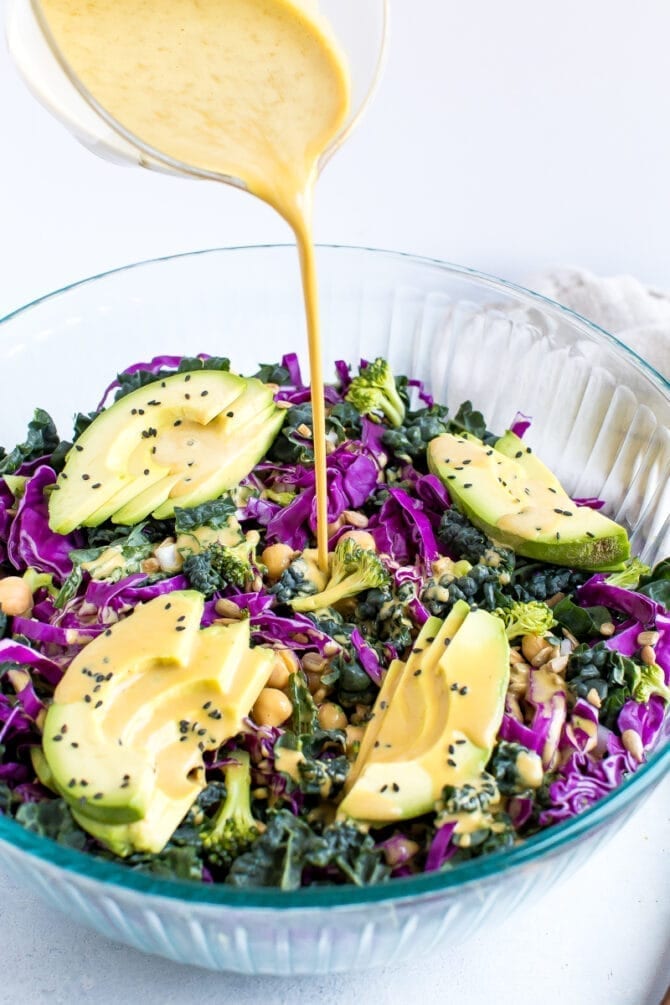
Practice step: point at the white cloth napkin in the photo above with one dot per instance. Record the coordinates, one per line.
(639, 316)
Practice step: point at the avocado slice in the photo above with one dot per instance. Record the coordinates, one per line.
(440, 724)
(181, 440)
(137, 709)
(518, 502)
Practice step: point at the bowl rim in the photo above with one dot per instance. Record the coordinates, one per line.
(424, 885)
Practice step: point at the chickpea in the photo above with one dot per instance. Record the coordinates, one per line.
(15, 596)
(277, 558)
(272, 707)
(331, 716)
(362, 538)
(285, 663)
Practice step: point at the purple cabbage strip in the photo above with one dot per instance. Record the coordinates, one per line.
(30, 541)
(367, 657)
(291, 363)
(17, 652)
(636, 605)
(422, 393)
(154, 366)
(646, 718)
(300, 395)
(47, 634)
(583, 781)
(516, 732)
(352, 477)
(127, 592)
(343, 371)
(402, 530)
(371, 436)
(521, 424)
(278, 631)
(591, 502)
(441, 849)
(7, 503)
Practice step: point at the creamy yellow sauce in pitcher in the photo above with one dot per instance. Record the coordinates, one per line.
(250, 89)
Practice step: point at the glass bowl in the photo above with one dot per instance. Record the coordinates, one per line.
(601, 419)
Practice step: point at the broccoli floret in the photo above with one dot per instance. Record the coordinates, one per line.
(217, 567)
(532, 618)
(233, 829)
(352, 570)
(411, 439)
(630, 575)
(505, 768)
(650, 681)
(374, 391)
(296, 581)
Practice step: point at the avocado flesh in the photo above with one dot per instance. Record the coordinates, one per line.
(524, 507)
(433, 732)
(157, 440)
(175, 691)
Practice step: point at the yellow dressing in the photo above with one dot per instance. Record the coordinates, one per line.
(254, 90)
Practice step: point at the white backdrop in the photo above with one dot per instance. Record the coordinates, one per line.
(510, 136)
(506, 136)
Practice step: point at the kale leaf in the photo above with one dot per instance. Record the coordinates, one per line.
(41, 440)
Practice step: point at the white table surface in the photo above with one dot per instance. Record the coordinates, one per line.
(510, 137)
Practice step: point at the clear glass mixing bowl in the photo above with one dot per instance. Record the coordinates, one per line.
(601, 419)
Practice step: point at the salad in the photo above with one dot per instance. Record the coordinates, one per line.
(184, 689)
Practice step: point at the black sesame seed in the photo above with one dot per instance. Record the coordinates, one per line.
(83, 783)
(396, 787)
(180, 628)
(133, 411)
(488, 453)
(140, 411)
(467, 461)
(85, 478)
(519, 453)
(376, 743)
(383, 788)
(203, 394)
(179, 620)
(71, 784)
(454, 687)
(467, 485)
(553, 490)
(57, 737)
(383, 704)
(187, 396)
(78, 447)
(98, 795)
(96, 688)
(417, 649)
(146, 471)
(431, 639)
(417, 673)
(187, 378)
(451, 748)
(107, 632)
(75, 745)
(589, 534)
(558, 511)
(109, 675)
(168, 606)
(230, 414)
(202, 732)
(182, 739)
(463, 690)
(451, 762)
(88, 699)
(63, 728)
(460, 741)
(153, 402)
(558, 536)
(177, 422)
